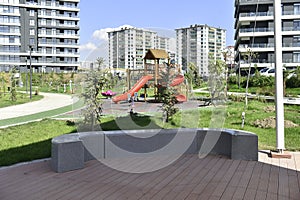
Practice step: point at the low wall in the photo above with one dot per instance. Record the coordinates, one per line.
(70, 152)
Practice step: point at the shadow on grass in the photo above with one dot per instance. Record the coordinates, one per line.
(128, 122)
(26, 153)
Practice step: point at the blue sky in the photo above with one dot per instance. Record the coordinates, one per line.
(98, 16)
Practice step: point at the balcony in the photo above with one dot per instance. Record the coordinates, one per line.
(257, 45)
(256, 30)
(258, 14)
(249, 2)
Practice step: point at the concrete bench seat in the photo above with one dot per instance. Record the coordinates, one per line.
(70, 152)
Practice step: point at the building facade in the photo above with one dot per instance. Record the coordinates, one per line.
(254, 32)
(45, 30)
(128, 46)
(197, 43)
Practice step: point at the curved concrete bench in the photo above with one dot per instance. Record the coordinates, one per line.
(70, 152)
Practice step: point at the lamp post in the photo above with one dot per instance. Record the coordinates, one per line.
(26, 83)
(30, 70)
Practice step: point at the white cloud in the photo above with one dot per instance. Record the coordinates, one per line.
(88, 47)
(101, 34)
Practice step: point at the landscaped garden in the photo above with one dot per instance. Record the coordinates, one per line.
(33, 141)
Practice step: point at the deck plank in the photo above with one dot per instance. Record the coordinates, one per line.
(189, 177)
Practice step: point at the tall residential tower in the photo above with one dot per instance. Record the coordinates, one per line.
(48, 30)
(254, 31)
(128, 46)
(197, 43)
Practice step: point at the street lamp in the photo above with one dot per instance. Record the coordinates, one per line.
(30, 69)
(26, 83)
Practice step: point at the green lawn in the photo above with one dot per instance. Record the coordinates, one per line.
(30, 141)
(33, 141)
(21, 98)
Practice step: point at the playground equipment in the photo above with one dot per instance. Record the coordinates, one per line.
(152, 71)
(108, 93)
(134, 89)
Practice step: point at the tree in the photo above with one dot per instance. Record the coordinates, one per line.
(13, 84)
(169, 98)
(100, 61)
(217, 81)
(94, 83)
(192, 75)
(249, 55)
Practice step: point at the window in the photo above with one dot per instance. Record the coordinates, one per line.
(43, 22)
(31, 22)
(31, 41)
(31, 13)
(297, 9)
(11, 39)
(31, 32)
(296, 25)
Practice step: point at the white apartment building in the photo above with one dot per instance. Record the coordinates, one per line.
(254, 31)
(195, 44)
(46, 29)
(128, 46)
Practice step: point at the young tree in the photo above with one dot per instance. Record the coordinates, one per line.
(94, 83)
(100, 61)
(217, 81)
(13, 84)
(192, 75)
(169, 98)
(249, 55)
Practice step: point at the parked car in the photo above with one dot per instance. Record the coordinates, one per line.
(269, 71)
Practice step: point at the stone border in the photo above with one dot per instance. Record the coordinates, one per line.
(71, 151)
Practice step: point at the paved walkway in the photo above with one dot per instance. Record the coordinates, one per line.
(49, 102)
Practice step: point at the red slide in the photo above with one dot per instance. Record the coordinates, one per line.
(134, 89)
(178, 80)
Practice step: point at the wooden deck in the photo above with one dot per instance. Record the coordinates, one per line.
(189, 177)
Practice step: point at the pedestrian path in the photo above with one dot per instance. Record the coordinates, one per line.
(50, 101)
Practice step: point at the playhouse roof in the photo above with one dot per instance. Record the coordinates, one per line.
(156, 54)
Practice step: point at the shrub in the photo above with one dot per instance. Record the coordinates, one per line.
(293, 82)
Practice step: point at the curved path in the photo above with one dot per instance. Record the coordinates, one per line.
(49, 102)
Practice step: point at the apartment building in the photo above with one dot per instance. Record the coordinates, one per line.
(254, 32)
(128, 46)
(197, 43)
(47, 31)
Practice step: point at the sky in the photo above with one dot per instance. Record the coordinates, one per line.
(99, 16)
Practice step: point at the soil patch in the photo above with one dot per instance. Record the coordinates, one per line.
(271, 123)
(269, 109)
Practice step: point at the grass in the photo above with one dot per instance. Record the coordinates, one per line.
(30, 141)
(21, 98)
(33, 141)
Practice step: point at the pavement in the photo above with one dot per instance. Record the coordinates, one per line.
(50, 101)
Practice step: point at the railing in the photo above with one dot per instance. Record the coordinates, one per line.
(249, 30)
(290, 28)
(291, 44)
(257, 45)
(291, 13)
(258, 14)
(254, 1)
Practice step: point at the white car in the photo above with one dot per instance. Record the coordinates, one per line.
(268, 71)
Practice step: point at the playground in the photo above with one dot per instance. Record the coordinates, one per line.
(159, 73)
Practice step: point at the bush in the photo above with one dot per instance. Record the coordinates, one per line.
(293, 82)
